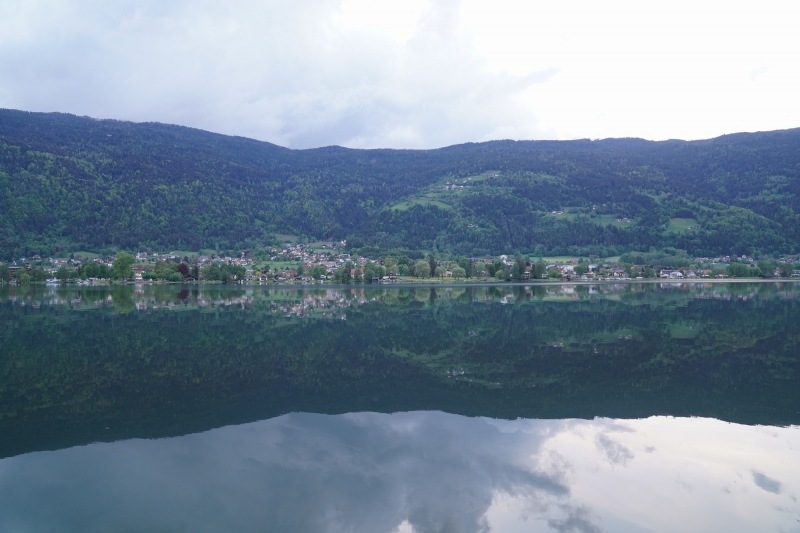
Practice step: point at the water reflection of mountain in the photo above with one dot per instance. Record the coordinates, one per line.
(169, 360)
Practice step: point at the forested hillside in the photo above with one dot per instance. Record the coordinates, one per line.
(76, 183)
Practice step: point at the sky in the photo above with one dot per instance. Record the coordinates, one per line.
(411, 73)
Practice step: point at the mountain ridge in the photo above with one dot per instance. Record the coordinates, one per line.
(71, 183)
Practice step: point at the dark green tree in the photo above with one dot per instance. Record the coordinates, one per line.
(122, 267)
(211, 272)
(466, 264)
(518, 269)
(432, 266)
(38, 275)
(63, 273)
(422, 269)
(539, 269)
(369, 273)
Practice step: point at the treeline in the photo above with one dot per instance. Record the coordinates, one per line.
(69, 183)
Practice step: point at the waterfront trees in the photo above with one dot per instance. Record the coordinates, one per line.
(122, 267)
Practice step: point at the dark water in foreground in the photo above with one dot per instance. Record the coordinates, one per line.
(550, 408)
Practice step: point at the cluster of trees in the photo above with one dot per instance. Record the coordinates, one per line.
(72, 182)
(431, 268)
(315, 272)
(741, 270)
(225, 273)
(170, 271)
(462, 267)
(96, 270)
(37, 274)
(23, 276)
(349, 273)
(121, 269)
(762, 268)
(645, 265)
(65, 273)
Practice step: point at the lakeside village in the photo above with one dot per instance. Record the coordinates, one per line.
(330, 263)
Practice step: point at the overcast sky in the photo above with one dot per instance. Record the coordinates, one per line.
(410, 73)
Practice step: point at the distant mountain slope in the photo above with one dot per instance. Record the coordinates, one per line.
(69, 183)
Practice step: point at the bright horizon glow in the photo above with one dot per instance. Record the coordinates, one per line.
(414, 74)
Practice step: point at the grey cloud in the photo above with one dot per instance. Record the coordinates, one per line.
(576, 521)
(766, 483)
(275, 71)
(615, 452)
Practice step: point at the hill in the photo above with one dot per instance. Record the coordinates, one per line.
(75, 183)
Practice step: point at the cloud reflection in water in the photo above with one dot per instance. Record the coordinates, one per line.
(420, 471)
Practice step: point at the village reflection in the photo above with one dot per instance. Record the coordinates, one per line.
(312, 302)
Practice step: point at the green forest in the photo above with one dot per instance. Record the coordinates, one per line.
(71, 183)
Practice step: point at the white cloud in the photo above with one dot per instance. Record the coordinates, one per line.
(396, 20)
(370, 73)
(652, 69)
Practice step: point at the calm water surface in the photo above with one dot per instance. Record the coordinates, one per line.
(653, 407)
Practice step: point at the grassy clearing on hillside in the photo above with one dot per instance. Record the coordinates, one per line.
(679, 225)
(317, 246)
(600, 220)
(428, 199)
(285, 237)
(605, 220)
(563, 216)
(483, 177)
(86, 255)
(436, 195)
(683, 331)
(659, 198)
(570, 258)
(184, 253)
(561, 259)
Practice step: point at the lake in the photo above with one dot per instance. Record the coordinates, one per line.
(565, 408)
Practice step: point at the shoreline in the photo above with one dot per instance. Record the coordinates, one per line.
(430, 283)
(528, 283)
